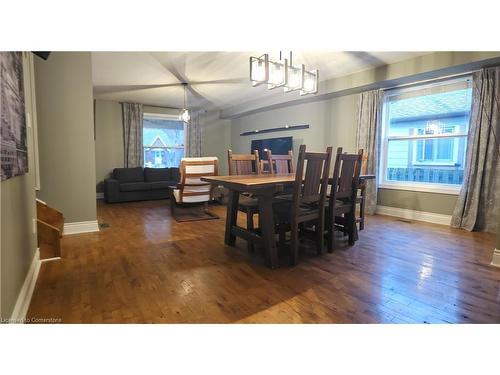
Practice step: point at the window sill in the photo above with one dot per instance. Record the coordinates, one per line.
(427, 188)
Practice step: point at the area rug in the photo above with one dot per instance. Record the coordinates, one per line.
(192, 213)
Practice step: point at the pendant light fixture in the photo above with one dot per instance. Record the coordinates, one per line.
(185, 115)
(283, 73)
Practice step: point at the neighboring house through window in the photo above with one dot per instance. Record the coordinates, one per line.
(163, 141)
(424, 136)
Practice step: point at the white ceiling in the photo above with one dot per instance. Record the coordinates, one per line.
(216, 79)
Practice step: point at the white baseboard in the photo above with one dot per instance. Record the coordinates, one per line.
(495, 261)
(24, 297)
(99, 195)
(80, 227)
(428, 217)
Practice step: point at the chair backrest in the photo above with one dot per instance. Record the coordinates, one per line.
(243, 164)
(364, 164)
(345, 179)
(311, 178)
(280, 164)
(191, 188)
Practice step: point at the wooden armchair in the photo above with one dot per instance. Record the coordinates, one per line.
(50, 224)
(191, 189)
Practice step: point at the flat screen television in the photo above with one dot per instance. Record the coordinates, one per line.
(278, 146)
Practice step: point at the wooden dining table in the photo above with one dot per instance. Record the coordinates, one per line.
(264, 188)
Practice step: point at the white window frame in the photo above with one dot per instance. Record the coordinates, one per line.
(171, 117)
(384, 146)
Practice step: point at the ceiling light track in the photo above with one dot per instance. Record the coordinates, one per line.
(283, 73)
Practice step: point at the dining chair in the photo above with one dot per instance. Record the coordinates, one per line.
(191, 189)
(307, 204)
(246, 164)
(280, 164)
(341, 206)
(243, 164)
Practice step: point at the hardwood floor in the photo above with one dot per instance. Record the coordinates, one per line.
(145, 267)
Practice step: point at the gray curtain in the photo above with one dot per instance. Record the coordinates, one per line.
(478, 202)
(132, 135)
(193, 136)
(368, 138)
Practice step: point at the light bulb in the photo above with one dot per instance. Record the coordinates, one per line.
(185, 115)
(309, 83)
(276, 74)
(294, 79)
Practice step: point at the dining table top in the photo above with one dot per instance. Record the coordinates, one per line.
(259, 180)
(252, 179)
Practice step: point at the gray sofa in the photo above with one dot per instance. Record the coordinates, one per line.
(137, 184)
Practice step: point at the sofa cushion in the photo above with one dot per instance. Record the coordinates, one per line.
(162, 184)
(157, 174)
(135, 186)
(175, 174)
(129, 174)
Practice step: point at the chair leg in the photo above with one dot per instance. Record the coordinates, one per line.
(205, 206)
(362, 214)
(295, 243)
(320, 234)
(281, 234)
(331, 237)
(250, 245)
(351, 219)
(172, 202)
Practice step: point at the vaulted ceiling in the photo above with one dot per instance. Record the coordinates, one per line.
(215, 79)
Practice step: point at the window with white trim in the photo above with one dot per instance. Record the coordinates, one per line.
(424, 136)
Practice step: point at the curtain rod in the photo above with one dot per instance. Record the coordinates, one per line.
(457, 75)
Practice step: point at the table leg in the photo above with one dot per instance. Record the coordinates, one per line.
(267, 228)
(232, 215)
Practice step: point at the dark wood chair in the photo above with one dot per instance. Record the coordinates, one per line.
(246, 164)
(307, 204)
(243, 164)
(341, 207)
(361, 199)
(280, 164)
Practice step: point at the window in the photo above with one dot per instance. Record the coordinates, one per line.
(163, 141)
(424, 136)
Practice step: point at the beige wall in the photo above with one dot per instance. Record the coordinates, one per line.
(66, 134)
(331, 123)
(216, 136)
(418, 201)
(108, 140)
(18, 240)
